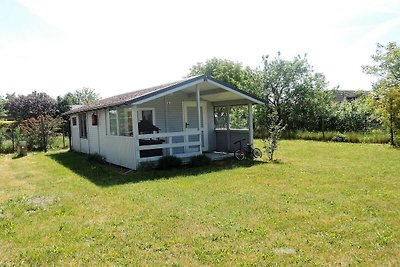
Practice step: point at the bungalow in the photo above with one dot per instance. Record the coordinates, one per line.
(184, 118)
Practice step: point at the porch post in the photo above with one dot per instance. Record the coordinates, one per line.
(199, 117)
(135, 136)
(250, 121)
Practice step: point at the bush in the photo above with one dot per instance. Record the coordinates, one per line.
(146, 166)
(37, 129)
(199, 161)
(169, 162)
(6, 147)
(339, 137)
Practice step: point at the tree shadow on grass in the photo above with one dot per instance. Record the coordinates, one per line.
(104, 174)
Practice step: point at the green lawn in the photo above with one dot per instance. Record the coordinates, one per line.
(323, 204)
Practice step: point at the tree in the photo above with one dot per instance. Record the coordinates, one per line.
(2, 106)
(39, 132)
(291, 88)
(31, 106)
(230, 72)
(83, 96)
(387, 86)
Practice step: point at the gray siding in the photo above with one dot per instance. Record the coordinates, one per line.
(224, 142)
(169, 116)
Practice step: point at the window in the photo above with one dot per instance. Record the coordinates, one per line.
(82, 126)
(238, 117)
(120, 121)
(112, 118)
(73, 121)
(125, 121)
(220, 117)
(146, 114)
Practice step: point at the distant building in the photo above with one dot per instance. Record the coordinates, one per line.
(349, 95)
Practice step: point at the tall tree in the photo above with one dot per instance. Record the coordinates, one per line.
(31, 106)
(229, 71)
(2, 106)
(387, 86)
(83, 96)
(291, 88)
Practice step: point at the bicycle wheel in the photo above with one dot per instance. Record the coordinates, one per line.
(256, 153)
(239, 154)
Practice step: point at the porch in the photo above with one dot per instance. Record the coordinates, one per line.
(192, 120)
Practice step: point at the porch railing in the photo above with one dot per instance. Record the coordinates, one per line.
(169, 145)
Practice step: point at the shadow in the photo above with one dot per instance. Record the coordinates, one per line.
(105, 174)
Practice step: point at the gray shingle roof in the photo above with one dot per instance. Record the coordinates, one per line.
(138, 95)
(122, 98)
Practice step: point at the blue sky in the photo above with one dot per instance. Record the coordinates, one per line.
(118, 46)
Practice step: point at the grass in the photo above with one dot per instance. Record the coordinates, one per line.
(371, 137)
(323, 204)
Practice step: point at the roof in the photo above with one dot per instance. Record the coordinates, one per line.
(149, 93)
(342, 95)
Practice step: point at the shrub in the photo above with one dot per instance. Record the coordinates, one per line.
(200, 160)
(146, 166)
(6, 147)
(169, 162)
(339, 137)
(38, 132)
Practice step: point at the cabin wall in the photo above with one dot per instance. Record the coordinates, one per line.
(115, 149)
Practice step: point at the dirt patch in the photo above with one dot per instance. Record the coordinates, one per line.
(42, 202)
(285, 251)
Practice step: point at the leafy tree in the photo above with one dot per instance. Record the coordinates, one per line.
(227, 71)
(352, 116)
(39, 132)
(82, 96)
(64, 103)
(386, 87)
(291, 88)
(31, 106)
(2, 106)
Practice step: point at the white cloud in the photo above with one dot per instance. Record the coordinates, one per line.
(116, 46)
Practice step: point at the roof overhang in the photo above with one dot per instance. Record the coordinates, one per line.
(210, 89)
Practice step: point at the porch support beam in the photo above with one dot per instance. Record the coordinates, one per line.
(136, 156)
(250, 121)
(199, 116)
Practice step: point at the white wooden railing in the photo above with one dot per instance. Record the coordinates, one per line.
(169, 145)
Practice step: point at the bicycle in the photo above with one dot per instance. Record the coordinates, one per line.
(241, 153)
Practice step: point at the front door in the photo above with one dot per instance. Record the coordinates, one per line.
(190, 123)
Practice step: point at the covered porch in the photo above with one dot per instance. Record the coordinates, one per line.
(192, 120)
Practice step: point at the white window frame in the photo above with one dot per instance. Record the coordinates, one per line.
(153, 110)
(76, 121)
(108, 122)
